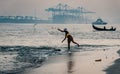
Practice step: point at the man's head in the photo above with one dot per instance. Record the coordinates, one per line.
(65, 29)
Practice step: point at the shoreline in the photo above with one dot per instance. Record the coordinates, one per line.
(98, 60)
(78, 62)
(16, 59)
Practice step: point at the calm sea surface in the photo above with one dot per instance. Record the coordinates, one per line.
(48, 35)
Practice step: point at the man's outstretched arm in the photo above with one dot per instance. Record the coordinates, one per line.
(60, 30)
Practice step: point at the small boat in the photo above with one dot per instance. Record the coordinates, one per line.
(99, 21)
(103, 29)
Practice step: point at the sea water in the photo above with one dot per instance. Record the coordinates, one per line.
(47, 35)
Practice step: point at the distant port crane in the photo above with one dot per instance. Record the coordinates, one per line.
(62, 13)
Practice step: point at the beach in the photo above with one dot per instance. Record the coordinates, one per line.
(29, 49)
(99, 60)
(87, 62)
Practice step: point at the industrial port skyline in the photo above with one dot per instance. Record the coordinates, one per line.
(61, 13)
(108, 10)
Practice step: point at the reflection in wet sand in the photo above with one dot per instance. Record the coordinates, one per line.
(70, 63)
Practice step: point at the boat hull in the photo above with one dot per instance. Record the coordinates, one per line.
(103, 29)
(97, 23)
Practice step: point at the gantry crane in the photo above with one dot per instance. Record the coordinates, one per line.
(63, 13)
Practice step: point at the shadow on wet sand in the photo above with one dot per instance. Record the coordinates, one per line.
(115, 68)
(70, 63)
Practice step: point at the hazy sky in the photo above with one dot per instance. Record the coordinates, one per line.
(106, 9)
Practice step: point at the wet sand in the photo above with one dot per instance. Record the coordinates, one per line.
(87, 62)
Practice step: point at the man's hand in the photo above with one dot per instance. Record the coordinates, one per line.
(60, 30)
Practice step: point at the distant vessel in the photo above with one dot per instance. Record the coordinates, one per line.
(99, 21)
(22, 19)
(103, 29)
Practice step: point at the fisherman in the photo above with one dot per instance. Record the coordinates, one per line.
(111, 27)
(104, 27)
(69, 37)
